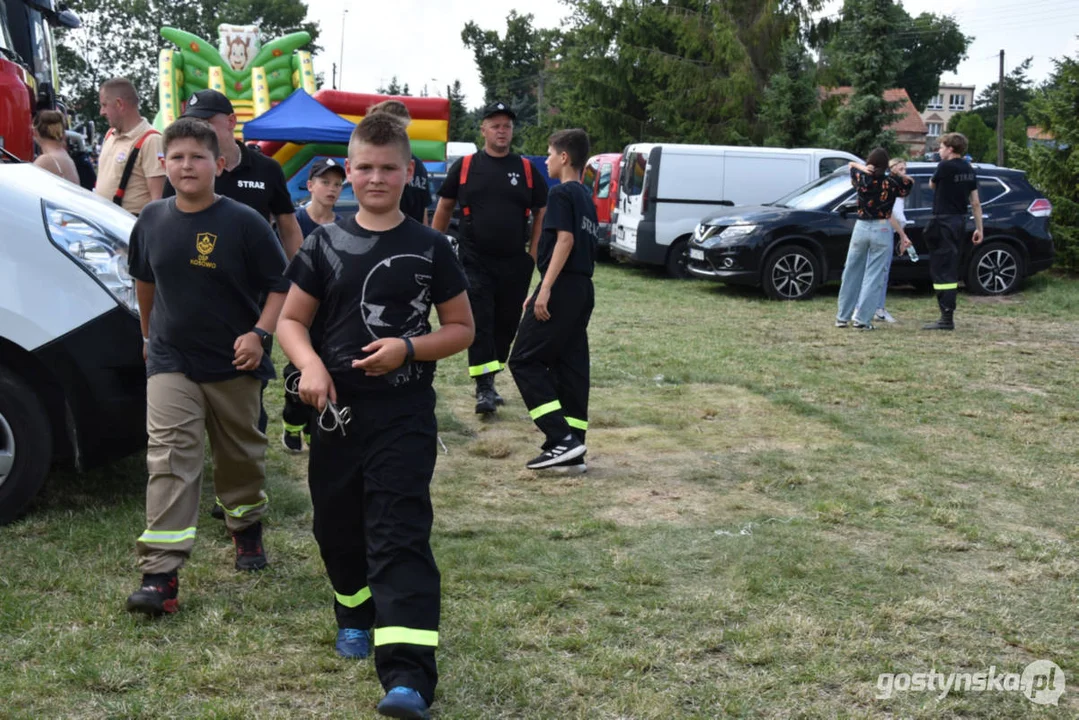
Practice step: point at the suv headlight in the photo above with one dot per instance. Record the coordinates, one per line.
(732, 234)
(98, 251)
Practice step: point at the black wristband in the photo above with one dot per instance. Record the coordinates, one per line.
(261, 333)
(410, 352)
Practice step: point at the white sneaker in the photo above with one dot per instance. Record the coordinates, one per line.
(884, 315)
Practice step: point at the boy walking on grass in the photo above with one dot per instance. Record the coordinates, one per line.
(550, 361)
(200, 263)
(371, 280)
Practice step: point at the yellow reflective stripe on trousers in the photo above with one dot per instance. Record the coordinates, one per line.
(405, 636)
(351, 601)
(545, 408)
(946, 286)
(167, 536)
(575, 423)
(240, 510)
(486, 368)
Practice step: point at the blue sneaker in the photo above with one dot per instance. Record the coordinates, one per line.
(353, 644)
(403, 702)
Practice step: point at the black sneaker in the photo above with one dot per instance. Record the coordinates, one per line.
(562, 453)
(217, 512)
(486, 402)
(157, 596)
(942, 324)
(249, 552)
(292, 439)
(862, 326)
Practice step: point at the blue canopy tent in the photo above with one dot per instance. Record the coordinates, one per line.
(300, 119)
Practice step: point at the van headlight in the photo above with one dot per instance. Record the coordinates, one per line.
(732, 234)
(98, 251)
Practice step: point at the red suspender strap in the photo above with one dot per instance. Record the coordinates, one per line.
(528, 182)
(129, 168)
(466, 162)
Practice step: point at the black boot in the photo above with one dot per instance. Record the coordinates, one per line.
(944, 323)
(486, 403)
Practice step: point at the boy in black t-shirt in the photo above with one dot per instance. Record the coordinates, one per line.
(954, 185)
(368, 282)
(550, 361)
(201, 263)
(324, 182)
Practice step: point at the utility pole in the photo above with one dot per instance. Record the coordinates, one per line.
(539, 97)
(1000, 112)
(333, 84)
(344, 13)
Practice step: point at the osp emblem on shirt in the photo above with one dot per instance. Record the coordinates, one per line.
(204, 245)
(514, 177)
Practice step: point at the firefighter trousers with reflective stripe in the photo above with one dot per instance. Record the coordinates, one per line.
(944, 235)
(179, 413)
(371, 495)
(497, 287)
(550, 361)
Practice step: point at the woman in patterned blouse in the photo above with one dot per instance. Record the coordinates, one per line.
(871, 241)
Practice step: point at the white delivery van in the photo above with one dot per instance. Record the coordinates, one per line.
(72, 378)
(667, 188)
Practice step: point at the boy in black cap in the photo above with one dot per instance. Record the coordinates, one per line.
(550, 362)
(369, 282)
(324, 182)
(499, 192)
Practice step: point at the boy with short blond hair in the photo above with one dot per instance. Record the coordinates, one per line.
(550, 360)
(417, 196)
(372, 279)
(200, 263)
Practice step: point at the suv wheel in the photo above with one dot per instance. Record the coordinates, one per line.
(676, 260)
(791, 273)
(995, 269)
(25, 445)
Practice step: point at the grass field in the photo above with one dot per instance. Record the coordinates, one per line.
(776, 512)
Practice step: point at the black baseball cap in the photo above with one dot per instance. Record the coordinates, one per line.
(325, 165)
(207, 103)
(498, 108)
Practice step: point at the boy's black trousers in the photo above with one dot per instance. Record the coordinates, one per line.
(372, 507)
(497, 287)
(550, 362)
(944, 235)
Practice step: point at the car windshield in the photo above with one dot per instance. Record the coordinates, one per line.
(819, 193)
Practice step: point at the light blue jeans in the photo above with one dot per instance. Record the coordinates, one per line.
(870, 245)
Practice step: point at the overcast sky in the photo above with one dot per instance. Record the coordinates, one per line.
(419, 41)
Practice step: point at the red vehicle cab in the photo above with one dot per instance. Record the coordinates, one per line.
(601, 176)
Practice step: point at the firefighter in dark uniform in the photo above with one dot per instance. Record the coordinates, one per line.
(499, 193)
(954, 185)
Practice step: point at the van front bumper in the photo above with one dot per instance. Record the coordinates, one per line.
(639, 245)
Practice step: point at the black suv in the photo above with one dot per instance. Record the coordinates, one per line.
(789, 247)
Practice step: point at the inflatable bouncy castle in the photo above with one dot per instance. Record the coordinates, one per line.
(252, 75)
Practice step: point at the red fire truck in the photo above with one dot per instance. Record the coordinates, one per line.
(28, 72)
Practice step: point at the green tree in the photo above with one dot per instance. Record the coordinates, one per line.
(463, 126)
(121, 38)
(1018, 91)
(1015, 135)
(980, 144)
(867, 50)
(930, 45)
(790, 109)
(394, 88)
(1054, 168)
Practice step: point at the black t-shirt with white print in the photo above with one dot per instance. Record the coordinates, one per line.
(374, 285)
(570, 208)
(209, 269)
(497, 196)
(953, 182)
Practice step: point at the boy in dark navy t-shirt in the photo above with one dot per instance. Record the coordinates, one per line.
(369, 283)
(550, 361)
(954, 185)
(202, 263)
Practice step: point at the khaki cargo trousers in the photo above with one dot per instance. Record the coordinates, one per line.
(178, 414)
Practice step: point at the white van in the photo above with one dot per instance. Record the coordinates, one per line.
(667, 188)
(72, 378)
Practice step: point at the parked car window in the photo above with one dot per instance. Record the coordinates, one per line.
(990, 189)
(636, 164)
(830, 165)
(603, 190)
(921, 196)
(818, 193)
(589, 176)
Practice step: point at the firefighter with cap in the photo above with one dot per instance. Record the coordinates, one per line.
(502, 200)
